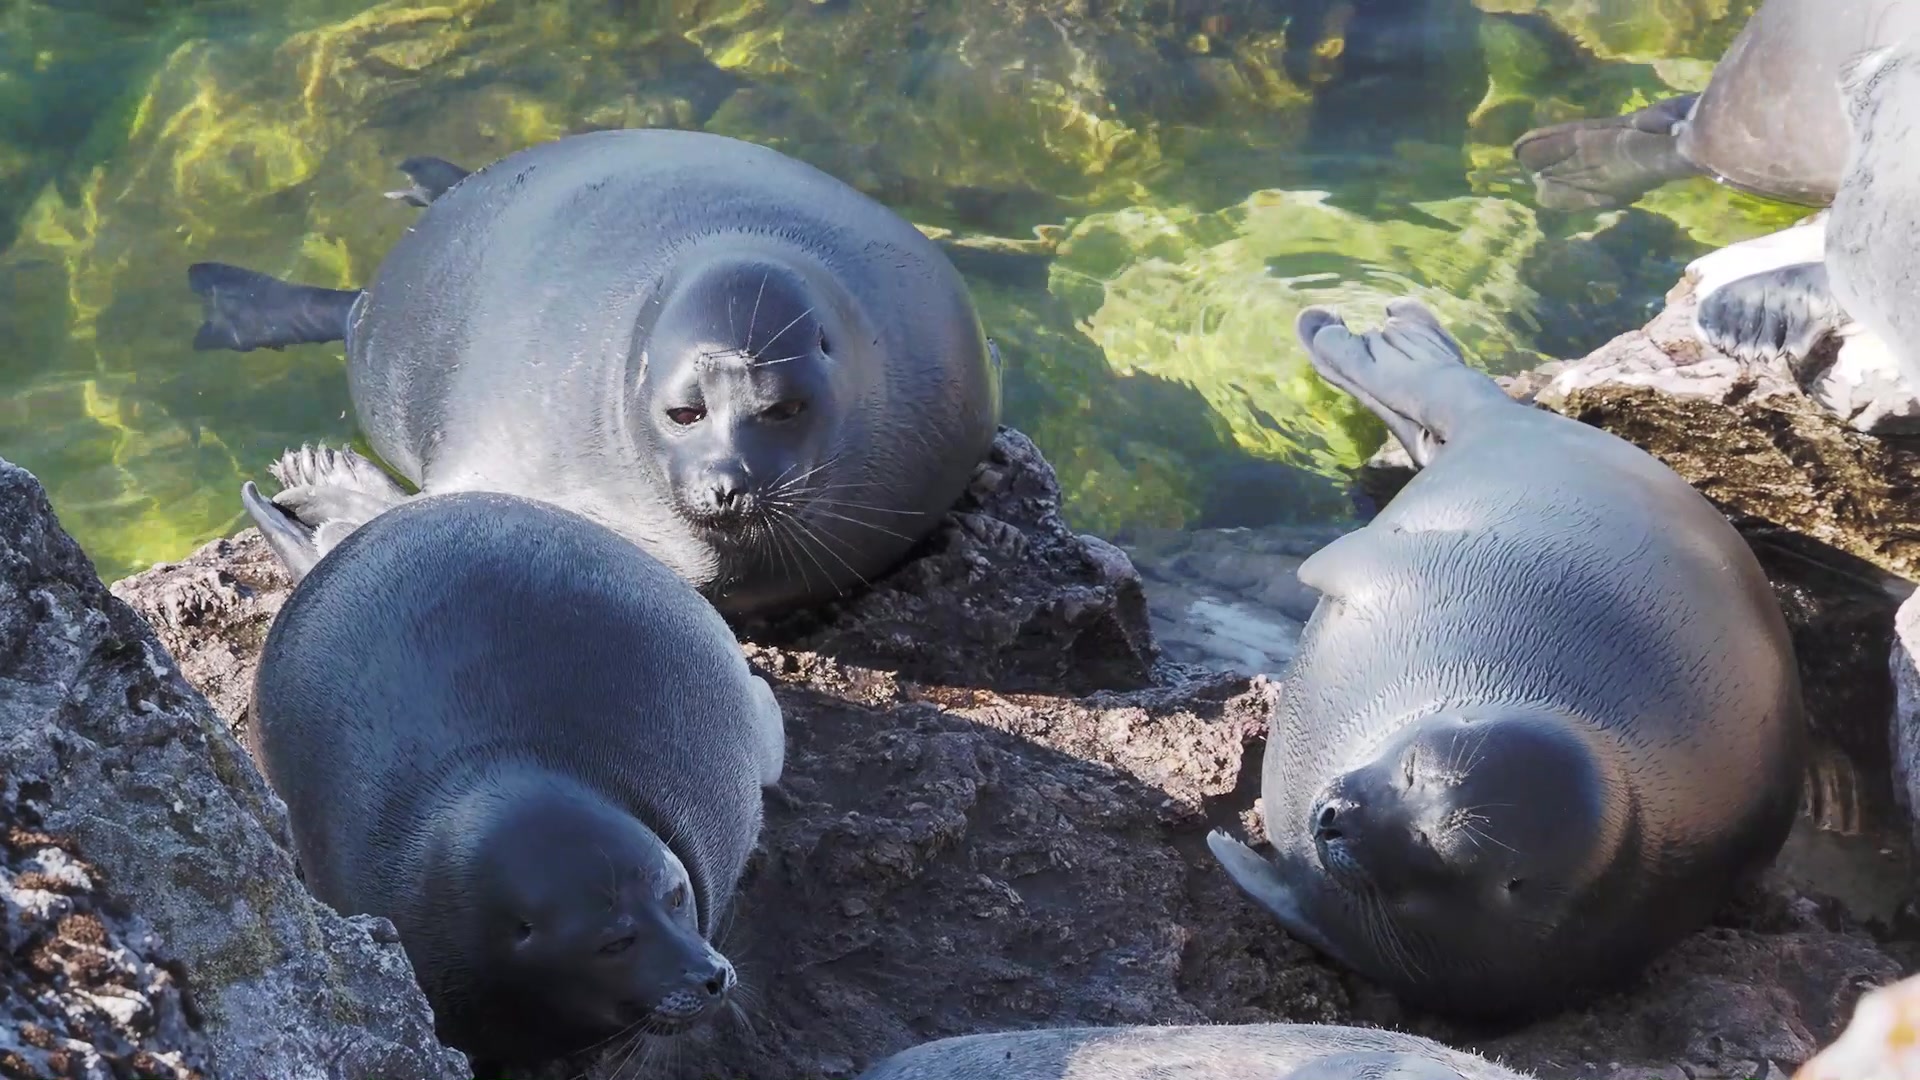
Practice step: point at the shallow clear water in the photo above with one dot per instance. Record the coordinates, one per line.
(1142, 195)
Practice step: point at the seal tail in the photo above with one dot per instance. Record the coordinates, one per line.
(1410, 373)
(246, 310)
(325, 494)
(1597, 164)
(432, 177)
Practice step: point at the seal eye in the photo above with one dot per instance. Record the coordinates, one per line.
(523, 933)
(786, 410)
(686, 414)
(677, 899)
(615, 948)
(1513, 885)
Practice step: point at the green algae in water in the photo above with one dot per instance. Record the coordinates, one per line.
(1141, 196)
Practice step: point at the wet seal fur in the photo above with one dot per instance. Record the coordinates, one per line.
(1545, 717)
(535, 750)
(767, 379)
(1846, 275)
(1201, 1052)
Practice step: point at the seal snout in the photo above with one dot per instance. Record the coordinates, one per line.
(704, 986)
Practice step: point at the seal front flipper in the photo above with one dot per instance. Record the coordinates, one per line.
(771, 727)
(291, 541)
(1608, 162)
(325, 495)
(1410, 373)
(1261, 881)
(432, 177)
(1782, 314)
(246, 310)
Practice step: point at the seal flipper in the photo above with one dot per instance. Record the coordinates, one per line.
(1608, 162)
(1261, 880)
(1410, 373)
(771, 727)
(432, 177)
(325, 495)
(1781, 314)
(291, 542)
(246, 310)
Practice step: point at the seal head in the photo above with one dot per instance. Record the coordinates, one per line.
(579, 922)
(1471, 827)
(740, 383)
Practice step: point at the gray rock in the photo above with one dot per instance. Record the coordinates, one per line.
(119, 757)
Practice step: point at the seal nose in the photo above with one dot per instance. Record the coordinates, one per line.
(1331, 816)
(709, 980)
(727, 493)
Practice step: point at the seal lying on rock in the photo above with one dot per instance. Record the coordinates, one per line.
(1545, 715)
(1769, 122)
(536, 751)
(1849, 274)
(767, 379)
(1249, 1052)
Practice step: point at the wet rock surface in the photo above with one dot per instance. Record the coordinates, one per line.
(134, 824)
(959, 847)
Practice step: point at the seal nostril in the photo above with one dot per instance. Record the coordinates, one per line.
(1325, 825)
(715, 986)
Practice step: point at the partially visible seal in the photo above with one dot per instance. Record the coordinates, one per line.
(767, 379)
(1769, 122)
(1248, 1052)
(535, 750)
(1849, 273)
(1545, 717)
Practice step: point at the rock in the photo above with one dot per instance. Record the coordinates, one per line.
(1004, 572)
(90, 992)
(1904, 734)
(112, 758)
(1879, 1043)
(962, 843)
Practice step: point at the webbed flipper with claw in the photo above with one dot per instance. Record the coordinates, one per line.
(325, 495)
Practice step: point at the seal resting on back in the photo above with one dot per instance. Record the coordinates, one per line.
(1545, 716)
(1770, 121)
(1249, 1052)
(535, 750)
(768, 380)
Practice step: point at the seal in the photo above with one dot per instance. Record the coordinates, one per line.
(1545, 716)
(1201, 1052)
(1847, 274)
(533, 748)
(1769, 122)
(768, 380)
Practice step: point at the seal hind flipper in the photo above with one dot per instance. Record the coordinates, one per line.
(246, 310)
(1410, 373)
(1608, 162)
(325, 495)
(1261, 880)
(1783, 314)
(432, 177)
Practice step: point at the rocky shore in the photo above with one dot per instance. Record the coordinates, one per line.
(997, 792)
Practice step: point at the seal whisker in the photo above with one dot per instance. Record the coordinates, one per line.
(802, 547)
(755, 317)
(823, 512)
(841, 504)
(775, 336)
(821, 537)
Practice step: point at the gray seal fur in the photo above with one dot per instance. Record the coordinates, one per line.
(769, 380)
(1846, 275)
(1201, 1052)
(533, 748)
(1545, 716)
